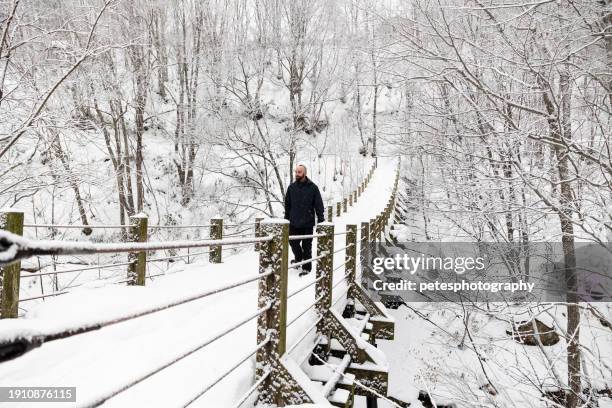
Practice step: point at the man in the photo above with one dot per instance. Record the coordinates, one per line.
(302, 201)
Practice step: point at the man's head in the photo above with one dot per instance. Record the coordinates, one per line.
(300, 172)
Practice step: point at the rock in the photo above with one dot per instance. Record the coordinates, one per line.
(558, 398)
(428, 403)
(489, 389)
(523, 333)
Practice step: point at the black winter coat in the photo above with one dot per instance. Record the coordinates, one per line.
(302, 201)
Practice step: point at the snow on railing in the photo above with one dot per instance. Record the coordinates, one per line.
(75, 226)
(15, 248)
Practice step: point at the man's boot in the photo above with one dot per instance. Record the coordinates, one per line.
(297, 268)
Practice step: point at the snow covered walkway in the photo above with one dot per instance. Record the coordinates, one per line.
(107, 359)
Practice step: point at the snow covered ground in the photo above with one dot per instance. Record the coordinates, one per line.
(102, 361)
(432, 352)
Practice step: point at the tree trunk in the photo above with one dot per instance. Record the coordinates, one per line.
(561, 134)
(58, 151)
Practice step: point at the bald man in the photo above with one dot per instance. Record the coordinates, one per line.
(302, 201)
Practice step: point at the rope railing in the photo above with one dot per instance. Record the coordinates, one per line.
(346, 275)
(193, 226)
(175, 359)
(331, 384)
(168, 258)
(87, 268)
(239, 224)
(14, 247)
(76, 226)
(344, 248)
(237, 233)
(303, 288)
(44, 296)
(296, 318)
(7, 347)
(309, 236)
(306, 261)
(343, 265)
(230, 370)
(251, 390)
(303, 336)
(340, 296)
(116, 226)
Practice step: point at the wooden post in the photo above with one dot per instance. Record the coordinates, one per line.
(350, 256)
(258, 231)
(350, 200)
(344, 205)
(372, 230)
(325, 279)
(364, 244)
(216, 232)
(273, 257)
(354, 196)
(11, 221)
(330, 213)
(338, 208)
(137, 269)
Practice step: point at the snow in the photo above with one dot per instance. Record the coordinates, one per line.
(105, 359)
(380, 361)
(427, 356)
(312, 389)
(274, 221)
(340, 396)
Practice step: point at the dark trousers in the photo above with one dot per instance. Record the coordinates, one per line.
(301, 248)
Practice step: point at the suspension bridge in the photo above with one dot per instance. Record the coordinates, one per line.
(237, 331)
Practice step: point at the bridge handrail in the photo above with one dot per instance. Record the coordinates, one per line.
(38, 339)
(272, 241)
